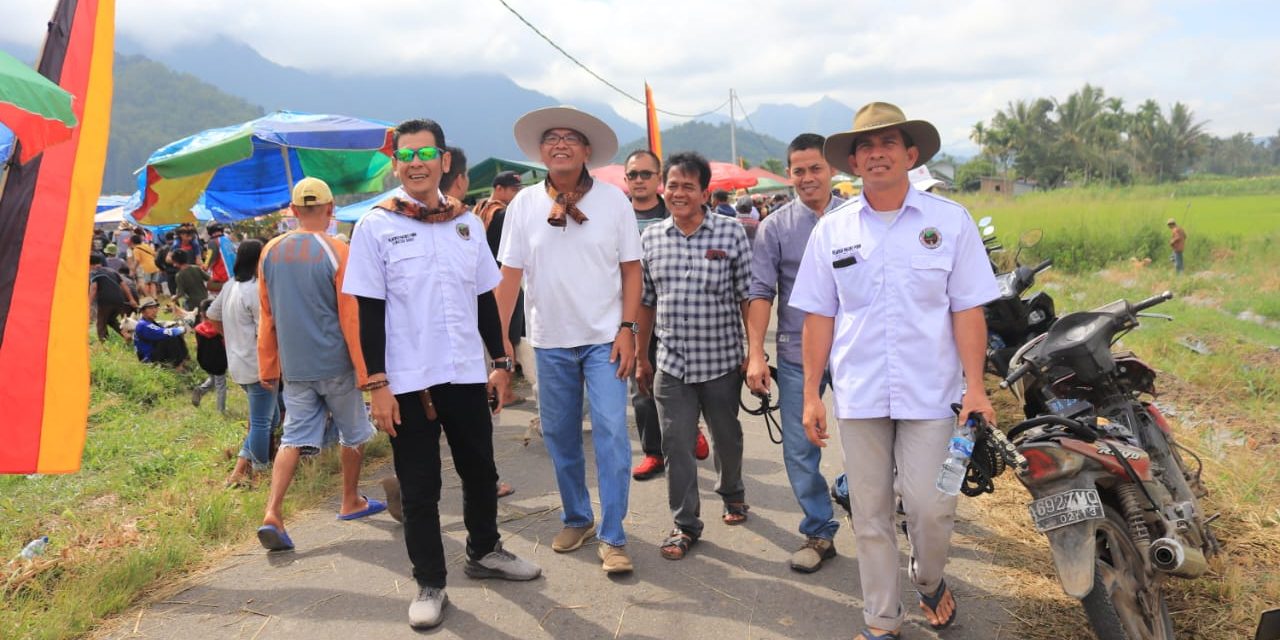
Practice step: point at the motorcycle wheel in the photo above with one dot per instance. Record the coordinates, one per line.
(1124, 604)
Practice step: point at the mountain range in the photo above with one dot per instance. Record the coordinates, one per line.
(164, 95)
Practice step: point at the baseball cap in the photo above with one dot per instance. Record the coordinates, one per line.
(111, 249)
(311, 191)
(506, 179)
(1171, 221)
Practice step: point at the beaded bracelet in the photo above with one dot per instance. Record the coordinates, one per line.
(375, 385)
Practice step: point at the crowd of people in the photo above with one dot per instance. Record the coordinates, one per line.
(662, 300)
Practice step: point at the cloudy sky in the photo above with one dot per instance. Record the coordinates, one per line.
(954, 63)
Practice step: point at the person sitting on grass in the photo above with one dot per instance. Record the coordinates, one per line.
(154, 342)
(211, 353)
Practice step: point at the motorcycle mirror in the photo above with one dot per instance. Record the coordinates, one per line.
(989, 230)
(984, 221)
(1269, 626)
(1030, 238)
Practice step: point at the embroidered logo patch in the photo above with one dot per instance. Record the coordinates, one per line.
(464, 230)
(930, 238)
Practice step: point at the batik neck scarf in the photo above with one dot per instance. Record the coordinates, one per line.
(567, 203)
(448, 209)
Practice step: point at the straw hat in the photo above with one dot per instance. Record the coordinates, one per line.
(876, 116)
(530, 127)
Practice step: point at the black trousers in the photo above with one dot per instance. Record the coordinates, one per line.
(171, 351)
(109, 316)
(646, 411)
(463, 415)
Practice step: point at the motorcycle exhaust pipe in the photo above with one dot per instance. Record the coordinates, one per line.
(1172, 557)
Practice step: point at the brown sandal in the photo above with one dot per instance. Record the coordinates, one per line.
(735, 513)
(676, 546)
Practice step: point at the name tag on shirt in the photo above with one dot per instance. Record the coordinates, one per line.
(845, 262)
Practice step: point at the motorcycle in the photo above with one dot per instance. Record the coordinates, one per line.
(1011, 319)
(1110, 488)
(990, 242)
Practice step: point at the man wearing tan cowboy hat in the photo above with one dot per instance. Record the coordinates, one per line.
(893, 285)
(575, 242)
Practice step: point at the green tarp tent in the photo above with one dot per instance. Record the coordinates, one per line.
(481, 175)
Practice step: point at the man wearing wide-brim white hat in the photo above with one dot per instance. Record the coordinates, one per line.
(575, 242)
(893, 285)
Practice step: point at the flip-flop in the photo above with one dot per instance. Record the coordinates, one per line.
(867, 635)
(934, 600)
(374, 506)
(274, 539)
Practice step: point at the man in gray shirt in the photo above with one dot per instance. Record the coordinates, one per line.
(779, 244)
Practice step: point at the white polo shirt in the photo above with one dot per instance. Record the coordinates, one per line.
(573, 278)
(892, 289)
(429, 274)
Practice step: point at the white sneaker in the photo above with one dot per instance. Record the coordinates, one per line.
(502, 564)
(427, 610)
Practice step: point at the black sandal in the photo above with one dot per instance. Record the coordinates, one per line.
(735, 513)
(930, 605)
(676, 546)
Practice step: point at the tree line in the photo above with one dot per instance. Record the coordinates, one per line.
(1091, 138)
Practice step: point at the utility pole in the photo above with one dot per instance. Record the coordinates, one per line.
(733, 132)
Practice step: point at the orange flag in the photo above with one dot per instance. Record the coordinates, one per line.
(46, 224)
(651, 119)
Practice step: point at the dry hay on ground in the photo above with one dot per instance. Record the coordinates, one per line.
(1242, 580)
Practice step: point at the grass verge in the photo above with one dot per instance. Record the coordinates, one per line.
(1223, 405)
(147, 506)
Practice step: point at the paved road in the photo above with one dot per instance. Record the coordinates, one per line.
(352, 580)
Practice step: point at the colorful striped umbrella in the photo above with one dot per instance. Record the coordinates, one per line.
(247, 170)
(36, 110)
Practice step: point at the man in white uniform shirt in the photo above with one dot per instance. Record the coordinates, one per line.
(421, 273)
(575, 242)
(893, 284)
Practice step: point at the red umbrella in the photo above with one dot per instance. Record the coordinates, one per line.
(761, 172)
(730, 177)
(612, 174)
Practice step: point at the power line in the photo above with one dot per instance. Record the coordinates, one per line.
(759, 139)
(598, 76)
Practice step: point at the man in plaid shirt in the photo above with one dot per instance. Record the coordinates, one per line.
(697, 268)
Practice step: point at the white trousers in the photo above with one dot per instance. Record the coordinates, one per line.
(871, 450)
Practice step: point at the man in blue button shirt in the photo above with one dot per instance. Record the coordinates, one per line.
(776, 253)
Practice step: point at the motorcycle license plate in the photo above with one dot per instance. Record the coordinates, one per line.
(1066, 508)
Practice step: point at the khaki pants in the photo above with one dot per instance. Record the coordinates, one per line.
(871, 449)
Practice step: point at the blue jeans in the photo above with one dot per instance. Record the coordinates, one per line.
(1177, 261)
(801, 457)
(561, 374)
(264, 413)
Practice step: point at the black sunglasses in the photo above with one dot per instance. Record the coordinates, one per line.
(644, 175)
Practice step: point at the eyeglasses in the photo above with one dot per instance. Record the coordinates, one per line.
(571, 139)
(426, 154)
(643, 175)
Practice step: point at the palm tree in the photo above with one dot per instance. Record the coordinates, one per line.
(978, 136)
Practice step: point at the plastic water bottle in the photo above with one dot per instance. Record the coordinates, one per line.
(34, 548)
(958, 453)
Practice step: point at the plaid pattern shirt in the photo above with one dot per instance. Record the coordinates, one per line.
(697, 284)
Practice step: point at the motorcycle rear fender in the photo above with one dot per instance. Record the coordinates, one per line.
(1072, 545)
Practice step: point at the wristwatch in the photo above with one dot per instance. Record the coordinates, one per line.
(503, 363)
(635, 328)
